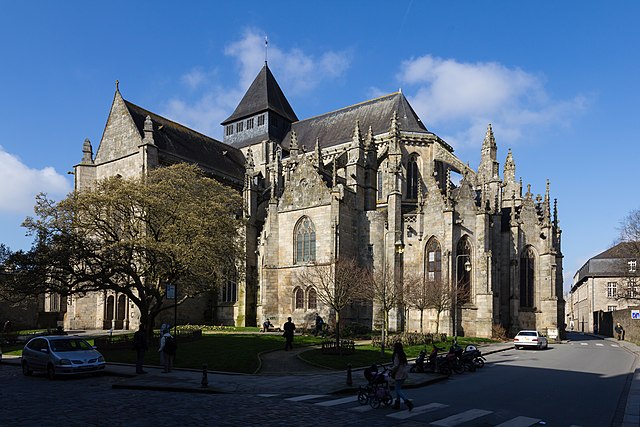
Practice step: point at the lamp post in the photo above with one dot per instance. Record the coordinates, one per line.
(398, 248)
(467, 267)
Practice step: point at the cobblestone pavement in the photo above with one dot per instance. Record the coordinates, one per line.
(91, 401)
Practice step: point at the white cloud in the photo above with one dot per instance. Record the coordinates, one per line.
(297, 72)
(19, 196)
(465, 97)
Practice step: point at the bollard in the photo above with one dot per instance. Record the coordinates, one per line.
(349, 380)
(205, 381)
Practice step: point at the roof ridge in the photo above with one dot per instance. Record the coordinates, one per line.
(368, 101)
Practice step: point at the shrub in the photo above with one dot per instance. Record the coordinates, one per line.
(498, 332)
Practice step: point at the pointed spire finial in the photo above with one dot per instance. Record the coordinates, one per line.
(266, 49)
(117, 86)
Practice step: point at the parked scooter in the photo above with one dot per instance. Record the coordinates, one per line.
(435, 363)
(472, 353)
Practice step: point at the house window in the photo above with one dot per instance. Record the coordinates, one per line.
(249, 123)
(305, 241)
(312, 297)
(433, 261)
(612, 289)
(632, 266)
(527, 278)
(239, 126)
(229, 130)
(299, 298)
(634, 291)
(261, 120)
(612, 308)
(412, 178)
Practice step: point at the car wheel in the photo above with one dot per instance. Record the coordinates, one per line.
(51, 372)
(25, 369)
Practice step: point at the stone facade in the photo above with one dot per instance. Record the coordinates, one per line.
(607, 282)
(359, 182)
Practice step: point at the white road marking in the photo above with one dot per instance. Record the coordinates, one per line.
(305, 397)
(402, 415)
(520, 422)
(583, 343)
(335, 402)
(460, 418)
(615, 345)
(268, 394)
(599, 345)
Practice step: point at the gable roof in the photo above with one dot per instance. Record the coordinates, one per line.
(336, 127)
(184, 144)
(610, 263)
(263, 94)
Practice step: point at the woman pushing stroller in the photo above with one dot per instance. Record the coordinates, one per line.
(400, 372)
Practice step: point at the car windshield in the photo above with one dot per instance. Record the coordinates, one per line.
(70, 345)
(528, 334)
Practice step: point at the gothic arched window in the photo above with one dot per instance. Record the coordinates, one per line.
(299, 298)
(412, 178)
(463, 270)
(527, 278)
(312, 299)
(305, 241)
(433, 261)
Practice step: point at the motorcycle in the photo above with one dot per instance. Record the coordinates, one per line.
(472, 353)
(435, 363)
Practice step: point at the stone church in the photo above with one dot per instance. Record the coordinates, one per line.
(368, 181)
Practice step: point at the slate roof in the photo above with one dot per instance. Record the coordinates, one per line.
(191, 146)
(337, 127)
(610, 263)
(263, 94)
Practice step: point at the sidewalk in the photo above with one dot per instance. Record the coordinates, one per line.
(280, 372)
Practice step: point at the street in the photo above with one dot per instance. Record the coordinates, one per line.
(579, 383)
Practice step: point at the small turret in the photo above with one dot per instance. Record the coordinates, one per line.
(87, 153)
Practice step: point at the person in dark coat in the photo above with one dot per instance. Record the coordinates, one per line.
(140, 345)
(619, 331)
(289, 328)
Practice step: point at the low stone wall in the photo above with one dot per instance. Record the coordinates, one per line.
(631, 326)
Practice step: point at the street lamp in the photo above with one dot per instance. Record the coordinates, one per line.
(467, 268)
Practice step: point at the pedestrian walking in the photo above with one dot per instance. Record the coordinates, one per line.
(619, 331)
(399, 373)
(289, 328)
(167, 349)
(140, 345)
(571, 324)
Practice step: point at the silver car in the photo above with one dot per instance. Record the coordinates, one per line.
(60, 355)
(531, 339)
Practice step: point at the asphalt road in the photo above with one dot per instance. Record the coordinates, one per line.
(580, 383)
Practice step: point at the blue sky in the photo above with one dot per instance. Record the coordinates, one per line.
(559, 81)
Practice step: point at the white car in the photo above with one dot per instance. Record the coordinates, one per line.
(530, 339)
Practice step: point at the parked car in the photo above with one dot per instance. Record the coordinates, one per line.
(530, 339)
(60, 355)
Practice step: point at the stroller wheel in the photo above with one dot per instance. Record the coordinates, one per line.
(375, 403)
(362, 397)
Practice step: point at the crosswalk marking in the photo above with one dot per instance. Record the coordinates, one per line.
(520, 422)
(335, 402)
(417, 410)
(462, 417)
(362, 408)
(268, 394)
(615, 345)
(305, 397)
(599, 345)
(584, 343)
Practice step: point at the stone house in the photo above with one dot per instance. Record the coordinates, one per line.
(368, 181)
(607, 282)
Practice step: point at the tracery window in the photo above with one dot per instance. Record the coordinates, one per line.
(527, 278)
(305, 241)
(299, 298)
(433, 261)
(230, 289)
(312, 299)
(462, 275)
(412, 178)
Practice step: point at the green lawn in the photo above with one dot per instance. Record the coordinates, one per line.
(238, 352)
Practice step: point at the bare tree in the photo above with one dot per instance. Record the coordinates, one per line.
(628, 255)
(416, 295)
(385, 294)
(338, 284)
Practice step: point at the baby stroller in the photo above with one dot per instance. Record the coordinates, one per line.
(377, 390)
